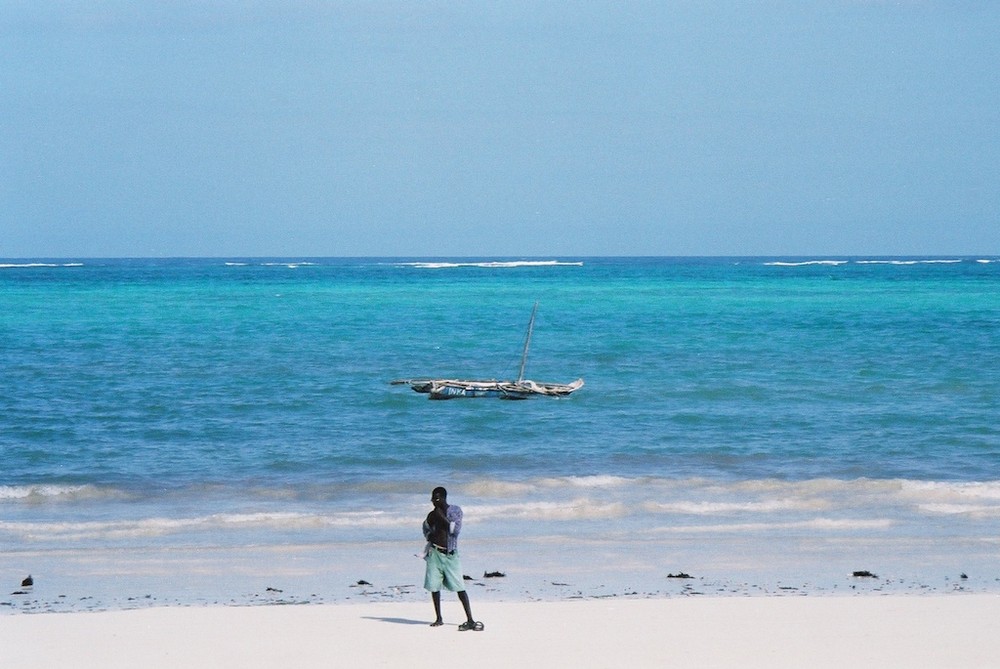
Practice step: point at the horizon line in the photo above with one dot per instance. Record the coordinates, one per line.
(825, 256)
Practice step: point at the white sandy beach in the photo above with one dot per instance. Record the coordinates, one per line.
(826, 631)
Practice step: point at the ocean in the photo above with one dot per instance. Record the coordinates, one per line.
(738, 414)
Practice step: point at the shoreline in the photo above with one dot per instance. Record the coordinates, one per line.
(92, 581)
(493, 588)
(548, 569)
(772, 631)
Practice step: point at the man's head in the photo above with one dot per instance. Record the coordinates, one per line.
(439, 495)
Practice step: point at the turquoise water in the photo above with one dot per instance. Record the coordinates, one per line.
(234, 401)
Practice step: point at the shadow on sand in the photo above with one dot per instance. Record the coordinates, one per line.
(397, 621)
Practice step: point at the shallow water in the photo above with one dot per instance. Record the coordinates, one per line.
(219, 404)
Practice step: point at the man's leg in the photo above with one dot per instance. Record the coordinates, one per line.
(436, 598)
(463, 597)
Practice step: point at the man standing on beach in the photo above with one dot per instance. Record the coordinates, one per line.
(441, 528)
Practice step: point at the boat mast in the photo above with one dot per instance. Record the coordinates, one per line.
(527, 341)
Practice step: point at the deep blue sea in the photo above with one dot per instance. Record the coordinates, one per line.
(228, 401)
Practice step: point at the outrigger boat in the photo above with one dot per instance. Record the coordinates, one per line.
(521, 389)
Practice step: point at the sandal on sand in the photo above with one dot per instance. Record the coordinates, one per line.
(437, 623)
(475, 626)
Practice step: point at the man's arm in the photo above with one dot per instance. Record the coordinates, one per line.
(454, 520)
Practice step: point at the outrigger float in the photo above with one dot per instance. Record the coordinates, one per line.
(521, 389)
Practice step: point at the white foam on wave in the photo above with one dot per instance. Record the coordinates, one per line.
(803, 263)
(369, 518)
(549, 487)
(293, 520)
(817, 524)
(85, 530)
(489, 488)
(575, 509)
(713, 508)
(874, 261)
(975, 499)
(556, 505)
(29, 265)
(958, 491)
(159, 526)
(974, 510)
(38, 493)
(774, 490)
(492, 264)
(931, 261)
(888, 262)
(582, 498)
(596, 481)
(818, 487)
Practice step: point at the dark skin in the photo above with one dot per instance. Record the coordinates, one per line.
(437, 519)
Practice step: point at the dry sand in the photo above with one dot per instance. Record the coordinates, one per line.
(959, 630)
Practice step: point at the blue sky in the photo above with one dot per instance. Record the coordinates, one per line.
(309, 128)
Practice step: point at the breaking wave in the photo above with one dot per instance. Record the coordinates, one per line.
(39, 493)
(492, 264)
(29, 265)
(873, 261)
(803, 263)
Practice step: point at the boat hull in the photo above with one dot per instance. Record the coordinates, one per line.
(522, 389)
(446, 389)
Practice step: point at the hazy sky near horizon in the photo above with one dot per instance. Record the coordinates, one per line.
(346, 128)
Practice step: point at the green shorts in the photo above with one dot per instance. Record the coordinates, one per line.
(443, 570)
